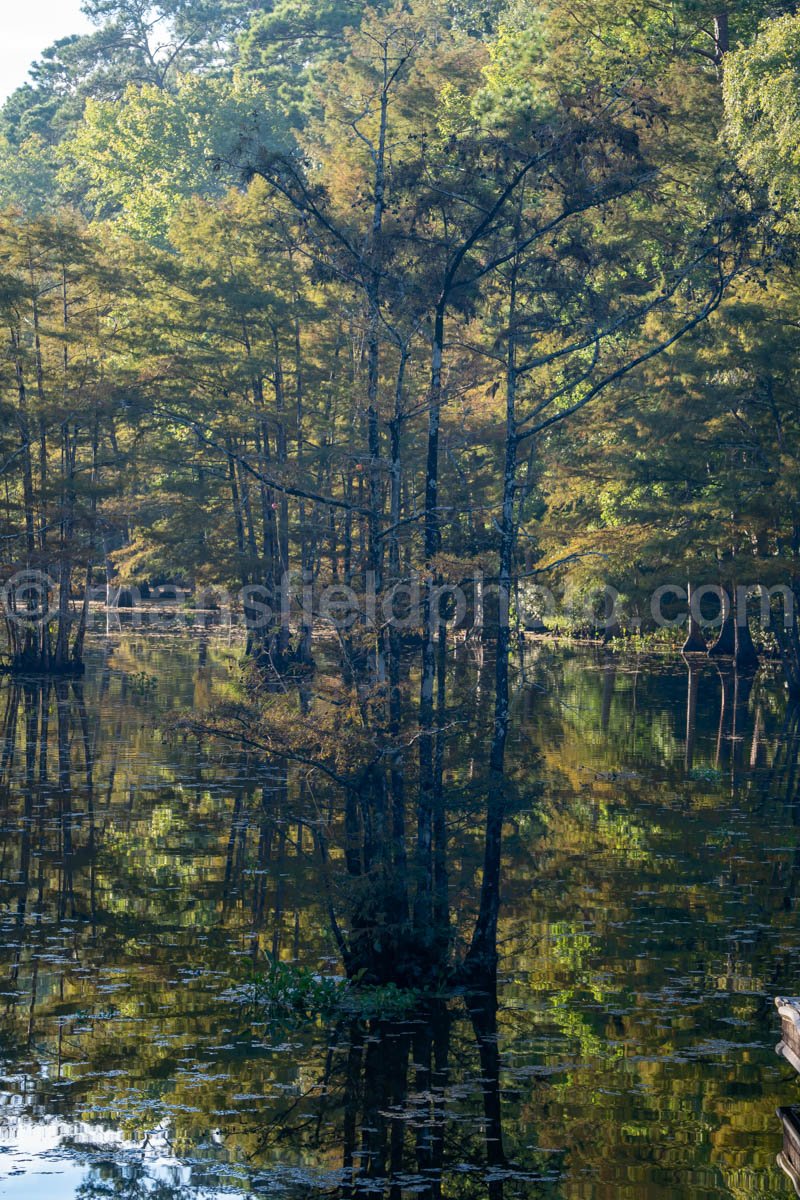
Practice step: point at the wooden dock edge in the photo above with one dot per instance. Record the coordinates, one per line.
(789, 1171)
(788, 1053)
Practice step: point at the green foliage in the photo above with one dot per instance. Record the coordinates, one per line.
(143, 155)
(381, 1001)
(29, 176)
(286, 47)
(762, 102)
(141, 682)
(135, 43)
(288, 992)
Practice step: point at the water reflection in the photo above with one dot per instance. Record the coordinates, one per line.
(91, 1163)
(626, 1048)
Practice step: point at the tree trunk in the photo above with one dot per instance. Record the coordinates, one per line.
(745, 655)
(721, 36)
(725, 645)
(482, 954)
(695, 642)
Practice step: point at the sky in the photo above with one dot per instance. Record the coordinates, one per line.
(27, 27)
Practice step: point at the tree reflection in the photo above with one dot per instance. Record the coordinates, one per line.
(150, 870)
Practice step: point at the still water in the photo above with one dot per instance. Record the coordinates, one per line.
(652, 870)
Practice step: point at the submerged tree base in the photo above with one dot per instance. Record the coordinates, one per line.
(695, 642)
(33, 664)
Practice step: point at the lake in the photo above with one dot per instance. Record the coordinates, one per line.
(650, 891)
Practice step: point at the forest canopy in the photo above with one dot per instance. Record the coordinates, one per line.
(432, 287)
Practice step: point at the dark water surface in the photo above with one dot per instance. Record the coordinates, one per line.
(650, 916)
